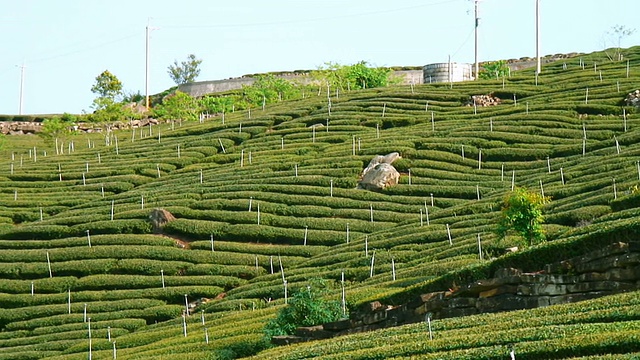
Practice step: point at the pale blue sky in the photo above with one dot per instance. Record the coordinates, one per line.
(65, 44)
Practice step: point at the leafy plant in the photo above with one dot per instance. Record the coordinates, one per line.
(177, 106)
(305, 308)
(108, 88)
(522, 213)
(185, 72)
(494, 69)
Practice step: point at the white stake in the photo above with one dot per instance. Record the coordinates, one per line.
(250, 202)
(428, 320)
(212, 248)
(206, 335)
(296, 169)
(462, 151)
(102, 190)
(306, 232)
(624, 120)
(371, 211)
(393, 269)
(617, 145)
(353, 145)
(586, 96)
(286, 300)
(427, 214)
(431, 194)
(409, 176)
(258, 212)
(491, 124)
(99, 159)
(479, 247)
(89, 239)
(49, 265)
(638, 168)
(89, 328)
(433, 123)
(584, 147)
(113, 204)
(282, 143)
(384, 108)
(421, 223)
(201, 177)
(178, 151)
(271, 263)
(344, 297)
(69, 301)
(366, 245)
(541, 188)
(479, 159)
(84, 180)
(549, 165)
(347, 233)
(242, 158)
(331, 188)
(513, 180)
(615, 192)
(502, 172)
(32, 289)
(222, 146)
(41, 217)
(377, 132)
(478, 191)
(162, 278)
(109, 333)
(184, 325)
(186, 304)
(84, 313)
(257, 266)
(373, 260)
(115, 355)
(449, 235)
(562, 176)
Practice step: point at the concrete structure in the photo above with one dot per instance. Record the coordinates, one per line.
(446, 72)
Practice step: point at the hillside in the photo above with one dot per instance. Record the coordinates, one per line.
(270, 195)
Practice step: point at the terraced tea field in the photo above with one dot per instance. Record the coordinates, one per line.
(271, 196)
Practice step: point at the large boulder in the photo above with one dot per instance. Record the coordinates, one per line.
(380, 174)
(158, 218)
(633, 99)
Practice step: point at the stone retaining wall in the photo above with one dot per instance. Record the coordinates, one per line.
(613, 269)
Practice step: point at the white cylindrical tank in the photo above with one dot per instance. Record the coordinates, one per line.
(442, 72)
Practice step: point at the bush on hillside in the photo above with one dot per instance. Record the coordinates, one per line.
(305, 308)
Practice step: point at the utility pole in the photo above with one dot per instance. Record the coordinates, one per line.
(146, 82)
(477, 19)
(537, 36)
(22, 67)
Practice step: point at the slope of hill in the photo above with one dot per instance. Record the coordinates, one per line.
(270, 195)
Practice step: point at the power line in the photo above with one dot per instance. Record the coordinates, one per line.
(312, 19)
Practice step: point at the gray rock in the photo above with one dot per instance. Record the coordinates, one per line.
(380, 174)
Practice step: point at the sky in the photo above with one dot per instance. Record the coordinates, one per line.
(65, 44)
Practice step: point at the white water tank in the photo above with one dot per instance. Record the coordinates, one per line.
(445, 72)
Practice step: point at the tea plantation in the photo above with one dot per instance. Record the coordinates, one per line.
(271, 195)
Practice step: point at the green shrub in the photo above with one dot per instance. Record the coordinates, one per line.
(305, 308)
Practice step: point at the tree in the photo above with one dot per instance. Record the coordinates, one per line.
(57, 127)
(268, 88)
(356, 76)
(177, 106)
(305, 308)
(107, 87)
(615, 35)
(185, 72)
(216, 104)
(522, 213)
(494, 70)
